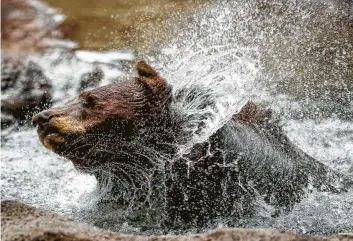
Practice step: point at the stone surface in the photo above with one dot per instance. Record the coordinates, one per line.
(91, 79)
(22, 108)
(22, 222)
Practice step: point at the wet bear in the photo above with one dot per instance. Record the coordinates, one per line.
(127, 134)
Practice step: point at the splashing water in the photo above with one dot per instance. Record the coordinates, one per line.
(290, 54)
(223, 78)
(293, 55)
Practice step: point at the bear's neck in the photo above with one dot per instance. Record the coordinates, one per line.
(141, 160)
(164, 134)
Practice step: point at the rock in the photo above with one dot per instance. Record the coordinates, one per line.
(29, 27)
(22, 108)
(11, 69)
(7, 120)
(21, 222)
(25, 86)
(91, 79)
(21, 75)
(34, 78)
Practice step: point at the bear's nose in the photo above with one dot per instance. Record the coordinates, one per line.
(41, 118)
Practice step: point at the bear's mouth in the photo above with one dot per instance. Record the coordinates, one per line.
(51, 137)
(63, 144)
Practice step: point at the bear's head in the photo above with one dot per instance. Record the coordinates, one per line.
(108, 123)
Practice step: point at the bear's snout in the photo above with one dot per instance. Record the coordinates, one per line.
(42, 118)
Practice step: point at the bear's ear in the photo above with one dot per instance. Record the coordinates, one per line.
(252, 113)
(150, 79)
(144, 70)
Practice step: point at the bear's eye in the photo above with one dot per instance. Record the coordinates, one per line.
(87, 100)
(84, 115)
(87, 104)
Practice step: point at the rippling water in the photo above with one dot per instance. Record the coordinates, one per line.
(279, 53)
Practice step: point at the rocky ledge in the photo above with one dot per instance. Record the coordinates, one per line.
(22, 222)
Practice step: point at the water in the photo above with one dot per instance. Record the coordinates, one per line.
(294, 56)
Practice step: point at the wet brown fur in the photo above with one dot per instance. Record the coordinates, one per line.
(131, 124)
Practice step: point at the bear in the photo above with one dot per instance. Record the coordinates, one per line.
(126, 134)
